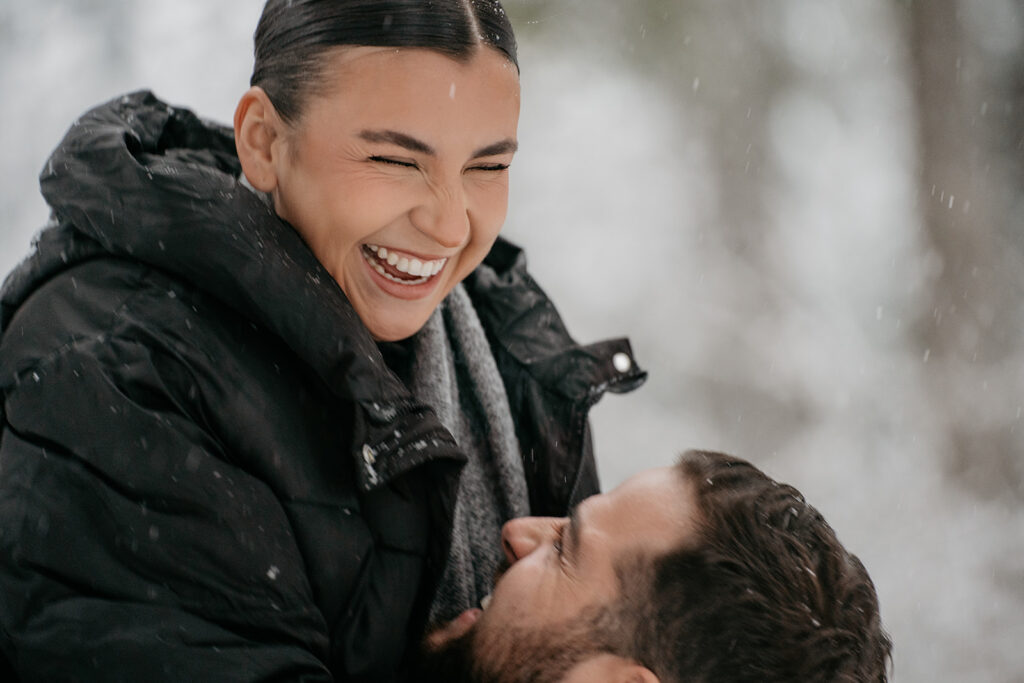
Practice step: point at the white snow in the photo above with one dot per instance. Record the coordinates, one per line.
(760, 241)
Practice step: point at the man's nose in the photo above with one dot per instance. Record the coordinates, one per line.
(521, 536)
(445, 216)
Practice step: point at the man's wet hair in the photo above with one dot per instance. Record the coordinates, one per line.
(761, 592)
(765, 593)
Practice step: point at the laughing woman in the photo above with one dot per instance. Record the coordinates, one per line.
(269, 393)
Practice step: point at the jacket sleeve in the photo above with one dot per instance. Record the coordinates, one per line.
(130, 549)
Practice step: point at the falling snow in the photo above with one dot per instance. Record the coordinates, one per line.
(741, 230)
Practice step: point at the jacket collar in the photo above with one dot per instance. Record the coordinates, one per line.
(139, 179)
(523, 323)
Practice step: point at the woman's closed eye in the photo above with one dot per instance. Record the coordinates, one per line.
(393, 162)
(491, 168)
(494, 168)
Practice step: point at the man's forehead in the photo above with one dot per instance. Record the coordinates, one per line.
(654, 511)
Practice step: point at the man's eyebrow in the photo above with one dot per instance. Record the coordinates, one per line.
(395, 138)
(507, 146)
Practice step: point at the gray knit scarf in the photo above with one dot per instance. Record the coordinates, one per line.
(454, 372)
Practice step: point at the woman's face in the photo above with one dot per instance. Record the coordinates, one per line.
(397, 176)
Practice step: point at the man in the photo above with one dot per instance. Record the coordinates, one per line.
(706, 571)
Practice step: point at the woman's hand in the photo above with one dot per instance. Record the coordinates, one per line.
(456, 628)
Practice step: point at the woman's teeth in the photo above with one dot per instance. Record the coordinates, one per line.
(420, 270)
(486, 601)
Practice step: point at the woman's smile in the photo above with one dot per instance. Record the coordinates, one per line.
(401, 274)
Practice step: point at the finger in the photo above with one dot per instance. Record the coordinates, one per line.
(456, 628)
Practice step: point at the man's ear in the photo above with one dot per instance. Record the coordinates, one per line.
(641, 674)
(608, 668)
(258, 133)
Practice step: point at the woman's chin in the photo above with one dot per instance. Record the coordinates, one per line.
(390, 328)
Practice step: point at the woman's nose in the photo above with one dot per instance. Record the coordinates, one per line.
(521, 536)
(445, 217)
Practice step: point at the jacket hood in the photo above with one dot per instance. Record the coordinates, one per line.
(157, 184)
(136, 178)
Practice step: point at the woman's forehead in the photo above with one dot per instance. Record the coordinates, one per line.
(345, 64)
(420, 93)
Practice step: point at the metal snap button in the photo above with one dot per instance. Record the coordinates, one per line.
(622, 362)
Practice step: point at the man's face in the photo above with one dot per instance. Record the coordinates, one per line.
(564, 569)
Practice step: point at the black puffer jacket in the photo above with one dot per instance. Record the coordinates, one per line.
(207, 473)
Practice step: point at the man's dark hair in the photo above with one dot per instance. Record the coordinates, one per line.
(293, 36)
(765, 592)
(760, 592)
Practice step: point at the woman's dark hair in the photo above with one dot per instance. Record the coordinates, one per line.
(293, 35)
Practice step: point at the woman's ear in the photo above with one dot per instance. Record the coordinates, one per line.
(258, 132)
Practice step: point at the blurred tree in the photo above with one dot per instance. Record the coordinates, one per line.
(968, 95)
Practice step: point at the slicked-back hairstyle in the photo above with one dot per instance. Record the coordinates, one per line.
(766, 594)
(293, 35)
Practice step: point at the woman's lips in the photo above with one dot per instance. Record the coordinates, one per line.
(400, 268)
(397, 279)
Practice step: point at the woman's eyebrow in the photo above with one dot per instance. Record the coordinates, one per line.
(395, 138)
(507, 146)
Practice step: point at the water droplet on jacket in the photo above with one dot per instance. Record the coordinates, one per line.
(193, 460)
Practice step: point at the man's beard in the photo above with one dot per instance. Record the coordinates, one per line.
(452, 662)
(517, 655)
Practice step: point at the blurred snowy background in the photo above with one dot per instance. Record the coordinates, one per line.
(808, 215)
